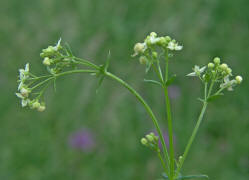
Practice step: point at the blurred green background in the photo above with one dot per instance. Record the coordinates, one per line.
(35, 146)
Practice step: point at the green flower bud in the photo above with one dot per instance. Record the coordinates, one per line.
(168, 39)
(217, 60)
(144, 141)
(150, 138)
(229, 70)
(143, 60)
(162, 41)
(210, 65)
(41, 108)
(154, 55)
(153, 34)
(35, 105)
(238, 79)
(223, 66)
(46, 61)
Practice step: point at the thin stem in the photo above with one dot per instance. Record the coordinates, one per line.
(166, 65)
(199, 121)
(169, 117)
(170, 132)
(86, 62)
(76, 71)
(147, 108)
(162, 162)
(41, 83)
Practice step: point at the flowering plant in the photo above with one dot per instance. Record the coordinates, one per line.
(155, 53)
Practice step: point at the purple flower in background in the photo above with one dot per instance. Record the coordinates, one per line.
(82, 140)
(166, 139)
(174, 92)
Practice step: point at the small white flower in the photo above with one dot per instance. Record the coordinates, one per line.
(228, 84)
(24, 73)
(197, 71)
(58, 45)
(24, 101)
(174, 46)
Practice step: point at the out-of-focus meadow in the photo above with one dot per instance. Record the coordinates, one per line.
(84, 135)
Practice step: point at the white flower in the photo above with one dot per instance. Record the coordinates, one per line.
(58, 45)
(24, 100)
(24, 73)
(197, 71)
(228, 84)
(139, 48)
(174, 46)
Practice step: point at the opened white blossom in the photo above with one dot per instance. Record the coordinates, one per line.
(197, 71)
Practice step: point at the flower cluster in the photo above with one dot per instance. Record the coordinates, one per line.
(151, 141)
(217, 73)
(147, 49)
(24, 90)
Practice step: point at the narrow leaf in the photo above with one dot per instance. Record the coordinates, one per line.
(171, 80)
(148, 65)
(213, 97)
(68, 49)
(152, 82)
(100, 82)
(107, 61)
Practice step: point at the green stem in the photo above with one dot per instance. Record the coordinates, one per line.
(197, 126)
(170, 132)
(147, 108)
(86, 62)
(162, 162)
(166, 65)
(169, 117)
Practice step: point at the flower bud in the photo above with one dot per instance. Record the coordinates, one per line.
(144, 141)
(41, 108)
(217, 60)
(24, 92)
(210, 65)
(150, 138)
(223, 66)
(154, 55)
(46, 61)
(238, 79)
(229, 70)
(35, 105)
(168, 39)
(143, 60)
(139, 48)
(153, 34)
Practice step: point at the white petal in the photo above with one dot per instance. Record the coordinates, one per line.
(19, 95)
(202, 69)
(191, 74)
(178, 48)
(20, 85)
(171, 46)
(27, 67)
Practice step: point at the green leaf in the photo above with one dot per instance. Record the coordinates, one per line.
(100, 82)
(170, 80)
(213, 97)
(68, 50)
(107, 61)
(187, 177)
(152, 82)
(148, 65)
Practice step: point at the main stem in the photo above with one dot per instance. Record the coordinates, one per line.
(169, 117)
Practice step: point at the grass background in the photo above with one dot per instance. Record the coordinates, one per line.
(34, 146)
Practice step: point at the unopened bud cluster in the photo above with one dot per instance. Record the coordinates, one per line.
(217, 72)
(147, 50)
(151, 141)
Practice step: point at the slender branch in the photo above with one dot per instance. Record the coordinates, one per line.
(148, 109)
(199, 121)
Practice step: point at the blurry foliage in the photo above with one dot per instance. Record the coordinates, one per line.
(35, 145)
